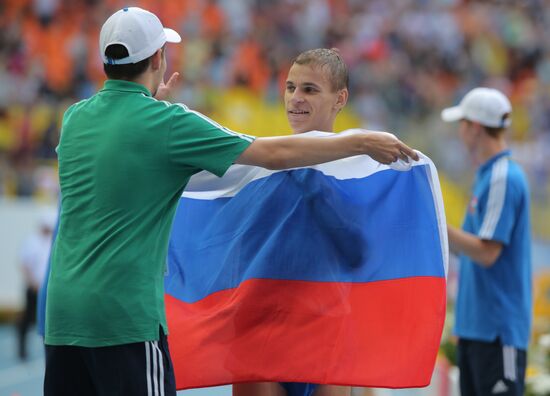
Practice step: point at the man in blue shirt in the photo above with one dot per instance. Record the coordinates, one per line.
(493, 308)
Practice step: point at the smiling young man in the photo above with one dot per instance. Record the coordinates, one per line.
(316, 91)
(493, 307)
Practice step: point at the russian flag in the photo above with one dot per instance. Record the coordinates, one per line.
(331, 274)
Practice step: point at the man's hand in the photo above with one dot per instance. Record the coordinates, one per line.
(165, 91)
(385, 148)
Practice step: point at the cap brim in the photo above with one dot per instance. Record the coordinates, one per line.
(172, 36)
(452, 114)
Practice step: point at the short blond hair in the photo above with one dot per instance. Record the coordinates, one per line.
(329, 59)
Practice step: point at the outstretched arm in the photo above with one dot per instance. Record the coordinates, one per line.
(294, 151)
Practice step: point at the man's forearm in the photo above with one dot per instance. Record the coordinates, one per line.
(481, 251)
(294, 151)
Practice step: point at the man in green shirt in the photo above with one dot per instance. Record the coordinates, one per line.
(124, 160)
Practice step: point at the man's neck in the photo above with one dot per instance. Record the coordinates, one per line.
(146, 79)
(490, 147)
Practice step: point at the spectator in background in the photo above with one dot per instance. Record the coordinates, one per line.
(34, 257)
(493, 308)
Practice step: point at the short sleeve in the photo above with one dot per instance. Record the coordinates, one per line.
(197, 141)
(501, 211)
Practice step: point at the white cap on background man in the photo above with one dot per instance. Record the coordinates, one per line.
(138, 30)
(487, 106)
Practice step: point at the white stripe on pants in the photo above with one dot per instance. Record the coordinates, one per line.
(154, 369)
(509, 359)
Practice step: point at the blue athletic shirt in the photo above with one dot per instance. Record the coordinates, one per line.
(496, 302)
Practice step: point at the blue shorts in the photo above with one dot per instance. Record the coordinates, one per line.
(488, 368)
(299, 388)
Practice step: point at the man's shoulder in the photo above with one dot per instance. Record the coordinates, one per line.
(75, 106)
(504, 181)
(516, 179)
(507, 172)
(162, 104)
(168, 109)
(181, 115)
(516, 172)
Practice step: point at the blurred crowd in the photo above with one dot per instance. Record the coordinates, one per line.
(408, 59)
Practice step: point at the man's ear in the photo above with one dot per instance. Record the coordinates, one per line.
(341, 99)
(478, 128)
(156, 60)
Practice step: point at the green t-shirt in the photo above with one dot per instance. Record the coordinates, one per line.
(124, 160)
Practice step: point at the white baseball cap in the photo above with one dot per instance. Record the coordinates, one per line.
(484, 105)
(138, 30)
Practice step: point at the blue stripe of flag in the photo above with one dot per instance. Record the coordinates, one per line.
(304, 225)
